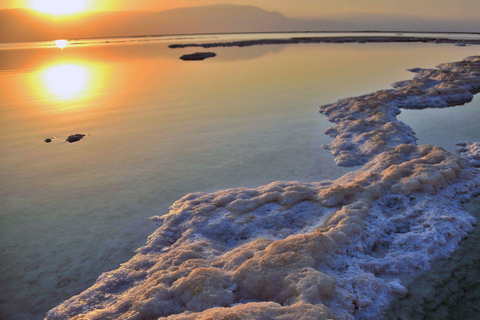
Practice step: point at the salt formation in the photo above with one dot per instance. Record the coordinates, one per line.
(470, 151)
(198, 56)
(366, 125)
(330, 250)
(327, 39)
(451, 288)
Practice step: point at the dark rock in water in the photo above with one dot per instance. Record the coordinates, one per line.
(75, 137)
(198, 56)
(415, 70)
(48, 140)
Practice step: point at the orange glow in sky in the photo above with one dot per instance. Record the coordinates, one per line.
(58, 6)
(438, 9)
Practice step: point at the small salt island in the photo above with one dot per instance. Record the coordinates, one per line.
(198, 56)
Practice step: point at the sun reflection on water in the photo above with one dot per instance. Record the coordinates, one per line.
(61, 43)
(65, 81)
(67, 84)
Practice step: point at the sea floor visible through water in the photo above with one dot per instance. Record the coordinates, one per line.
(445, 127)
(450, 290)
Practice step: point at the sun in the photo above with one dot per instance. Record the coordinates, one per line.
(58, 6)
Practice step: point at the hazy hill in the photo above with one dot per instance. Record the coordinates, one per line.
(24, 25)
(406, 22)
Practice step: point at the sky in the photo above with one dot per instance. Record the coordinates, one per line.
(429, 9)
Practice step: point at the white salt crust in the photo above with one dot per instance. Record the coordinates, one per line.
(366, 125)
(330, 250)
(470, 151)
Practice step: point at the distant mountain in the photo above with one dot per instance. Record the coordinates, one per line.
(25, 25)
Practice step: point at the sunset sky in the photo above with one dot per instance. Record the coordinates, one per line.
(430, 9)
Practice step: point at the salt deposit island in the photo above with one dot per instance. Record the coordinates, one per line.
(344, 249)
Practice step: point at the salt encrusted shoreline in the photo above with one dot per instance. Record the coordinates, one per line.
(330, 250)
(338, 39)
(451, 288)
(367, 126)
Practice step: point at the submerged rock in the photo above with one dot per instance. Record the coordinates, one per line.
(75, 137)
(198, 56)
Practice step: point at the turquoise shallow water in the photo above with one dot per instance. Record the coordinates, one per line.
(158, 128)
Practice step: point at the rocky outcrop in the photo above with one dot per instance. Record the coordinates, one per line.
(75, 137)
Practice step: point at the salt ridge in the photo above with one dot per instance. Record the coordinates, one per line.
(339, 249)
(367, 125)
(329, 39)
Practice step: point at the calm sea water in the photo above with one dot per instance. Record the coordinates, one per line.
(159, 128)
(231, 37)
(445, 127)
